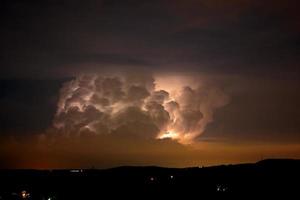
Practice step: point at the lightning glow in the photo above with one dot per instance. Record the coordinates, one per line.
(160, 106)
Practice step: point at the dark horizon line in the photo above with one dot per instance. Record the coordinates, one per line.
(263, 161)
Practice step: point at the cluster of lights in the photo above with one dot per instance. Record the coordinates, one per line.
(76, 170)
(154, 179)
(221, 188)
(25, 194)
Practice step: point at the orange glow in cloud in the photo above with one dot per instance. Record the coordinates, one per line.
(171, 106)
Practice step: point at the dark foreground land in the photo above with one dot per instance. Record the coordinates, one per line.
(265, 178)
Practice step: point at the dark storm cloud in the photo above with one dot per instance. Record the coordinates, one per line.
(254, 41)
(41, 38)
(261, 110)
(27, 106)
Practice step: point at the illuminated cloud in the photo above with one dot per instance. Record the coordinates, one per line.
(158, 106)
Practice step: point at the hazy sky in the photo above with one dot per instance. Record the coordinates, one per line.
(248, 49)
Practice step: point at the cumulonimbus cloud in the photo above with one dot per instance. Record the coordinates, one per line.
(150, 106)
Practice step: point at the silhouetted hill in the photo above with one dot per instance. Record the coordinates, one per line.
(269, 177)
(278, 162)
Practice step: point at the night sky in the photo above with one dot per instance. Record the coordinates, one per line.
(247, 50)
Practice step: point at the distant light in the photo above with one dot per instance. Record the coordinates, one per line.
(24, 194)
(49, 198)
(152, 179)
(75, 171)
(171, 176)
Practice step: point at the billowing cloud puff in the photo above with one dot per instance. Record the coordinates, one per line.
(139, 104)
